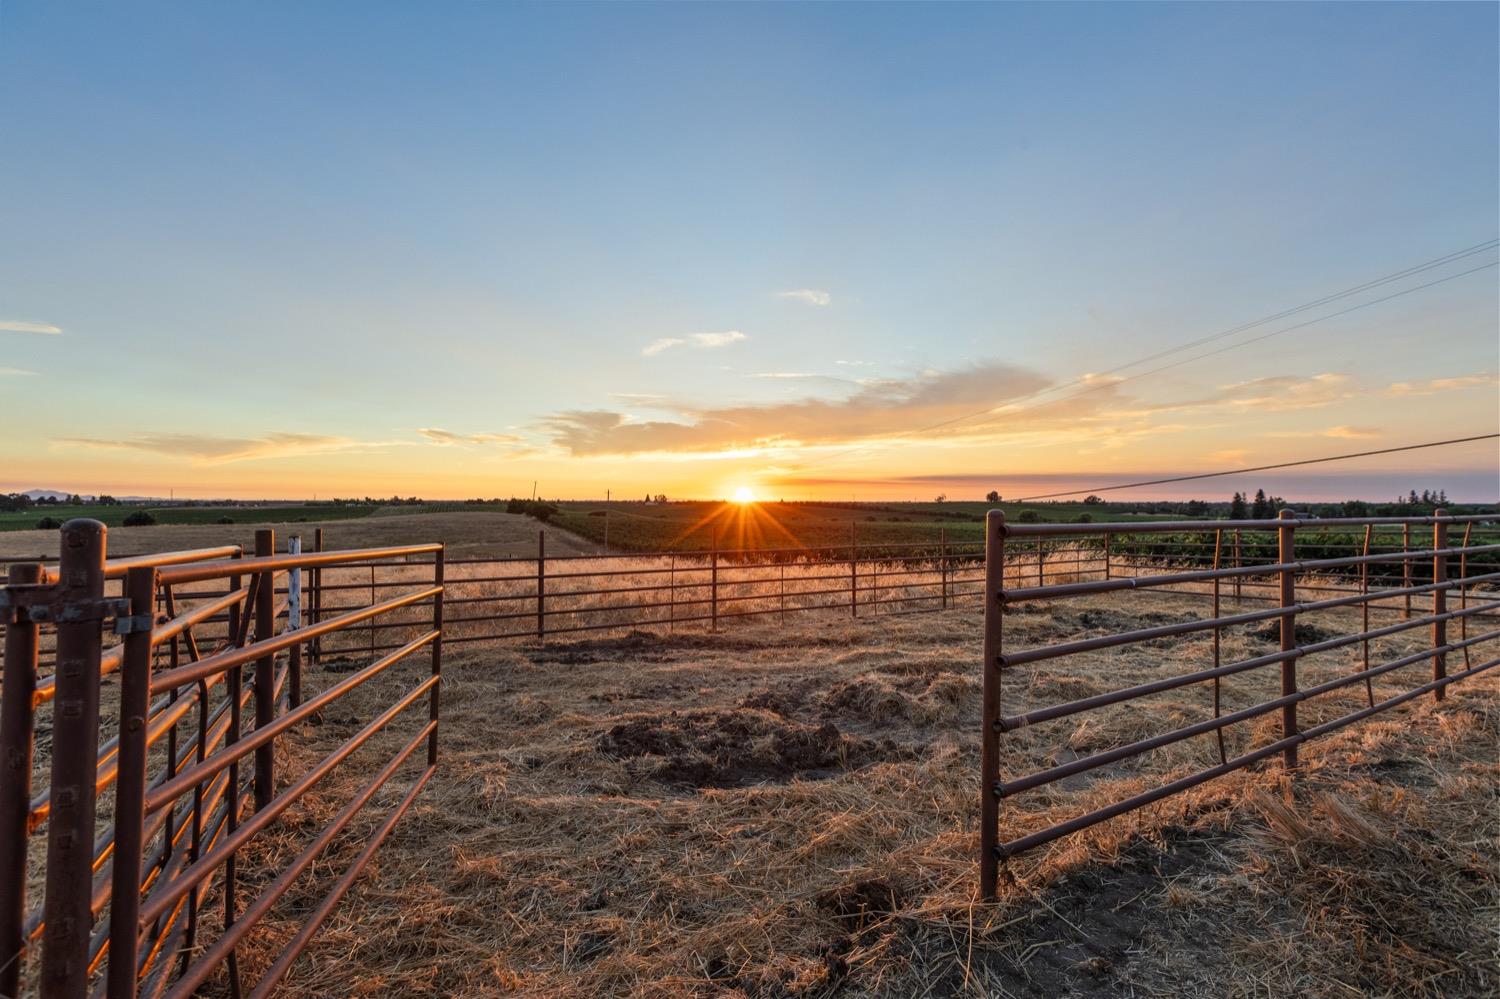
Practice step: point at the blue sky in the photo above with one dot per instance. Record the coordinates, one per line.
(282, 240)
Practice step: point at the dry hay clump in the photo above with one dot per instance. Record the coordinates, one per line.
(741, 815)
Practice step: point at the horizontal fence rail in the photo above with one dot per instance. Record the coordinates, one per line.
(1350, 601)
(162, 757)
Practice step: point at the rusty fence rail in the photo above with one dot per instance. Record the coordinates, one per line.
(1350, 602)
(161, 762)
(493, 599)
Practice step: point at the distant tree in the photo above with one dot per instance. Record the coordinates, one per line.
(992, 496)
(48, 524)
(1261, 509)
(661, 497)
(140, 518)
(940, 498)
(107, 500)
(1354, 508)
(1092, 500)
(75, 500)
(1237, 507)
(1029, 517)
(1085, 518)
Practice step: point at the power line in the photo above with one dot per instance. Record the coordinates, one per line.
(1366, 286)
(1258, 468)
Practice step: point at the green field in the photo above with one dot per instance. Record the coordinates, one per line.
(114, 515)
(695, 525)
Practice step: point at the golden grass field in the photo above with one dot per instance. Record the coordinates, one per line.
(465, 533)
(790, 810)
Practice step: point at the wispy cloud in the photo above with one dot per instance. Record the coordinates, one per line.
(723, 339)
(1352, 433)
(18, 326)
(448, 438)
(1432, 386)
(812, 296)
(890, 408)
(702, 340)
(209, 450)
(15, 372)
(786, 374)
(664, 343)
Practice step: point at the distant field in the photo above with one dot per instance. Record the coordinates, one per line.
(114, 515)
(690, 525)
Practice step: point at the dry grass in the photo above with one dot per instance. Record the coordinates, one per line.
(468, 533)
(791, 810)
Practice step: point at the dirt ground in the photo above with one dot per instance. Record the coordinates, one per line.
(792, 811)
(466, 534)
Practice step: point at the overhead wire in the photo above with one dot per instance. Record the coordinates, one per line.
(1089, 386)
(1257, 468)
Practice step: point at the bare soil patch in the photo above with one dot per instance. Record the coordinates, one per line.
(737, 748)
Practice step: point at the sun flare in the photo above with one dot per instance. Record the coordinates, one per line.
(743, 494)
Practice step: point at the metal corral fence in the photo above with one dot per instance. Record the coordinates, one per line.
(160, 784)
(1411, 573)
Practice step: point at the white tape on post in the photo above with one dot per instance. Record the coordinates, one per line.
(294, 587)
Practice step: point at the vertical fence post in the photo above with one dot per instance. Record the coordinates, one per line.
(713, 585)
(370, 625)
(1218, 640)
(1364, 610)
(989, 746)
(315, 602)
(943, 563)
(1108, 540)
(17, 739)
(1406, 570)
(265, 669)
(293, 622)
(541, 584)
(1439, 600)
(438, 560)
(1286, 554)
(672, 594)
(130, 786)
(1238, 564)
(75, 744)
(853, 571)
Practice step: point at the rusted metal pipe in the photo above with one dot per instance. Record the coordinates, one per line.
(989, 746)
(75, 736)
(130, 787)
(17, 742)
(1439, 602)
(265, 668)
(1286, 555)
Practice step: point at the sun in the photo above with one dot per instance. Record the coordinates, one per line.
(743, 494)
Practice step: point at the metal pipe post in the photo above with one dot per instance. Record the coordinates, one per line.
(130, 787)
(67, 912)
(1439, 603)
(265, 670)
(1285, 554)
(17, 741)
(989, 747)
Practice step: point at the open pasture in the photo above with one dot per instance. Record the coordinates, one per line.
(782, 810)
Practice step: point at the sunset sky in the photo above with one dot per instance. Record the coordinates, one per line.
(286, 250)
